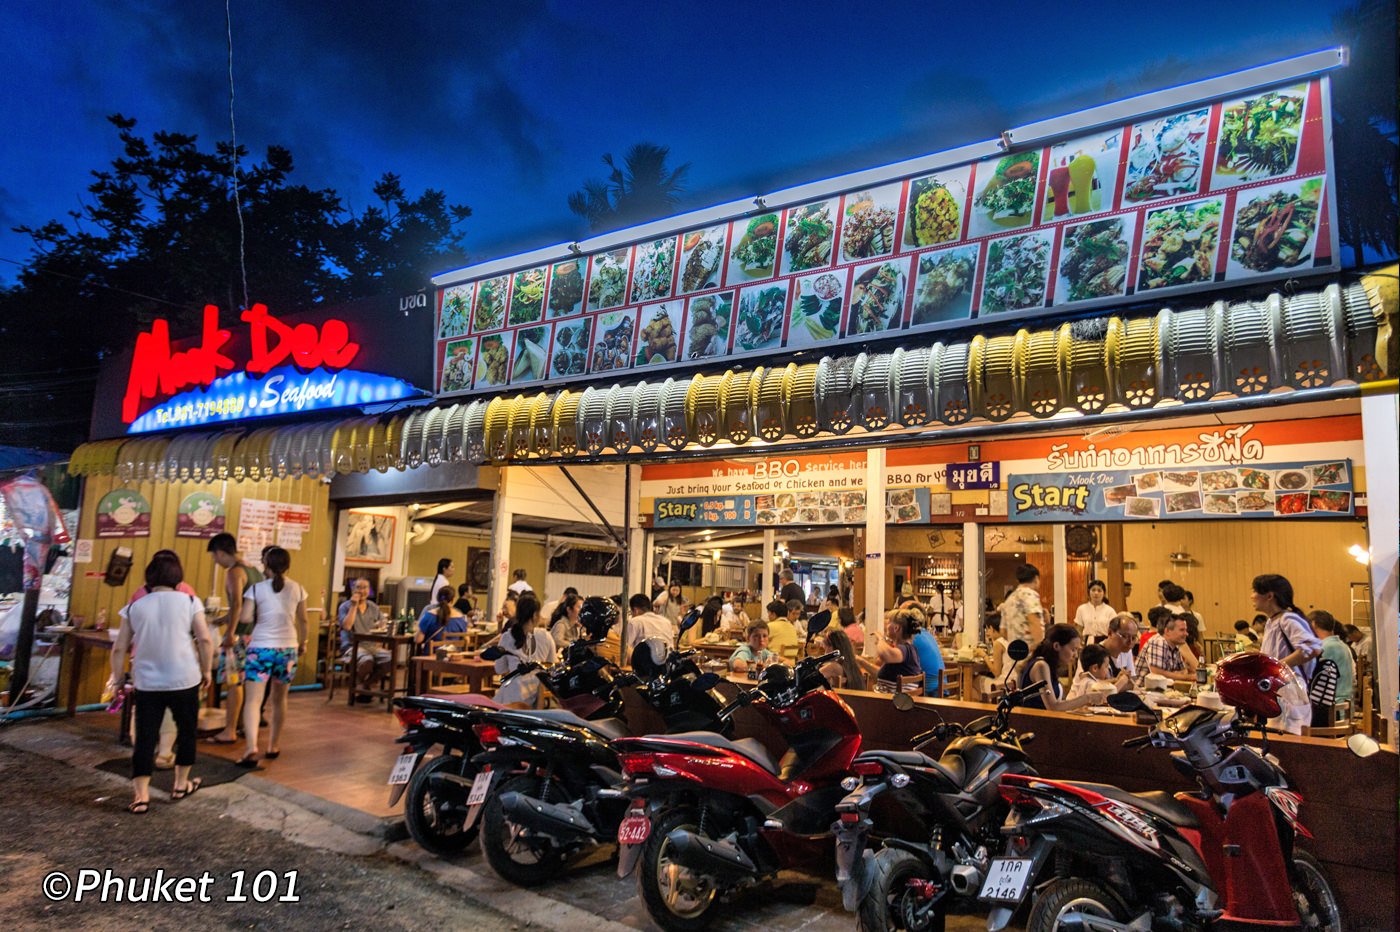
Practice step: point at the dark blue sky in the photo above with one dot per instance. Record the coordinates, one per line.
(509, 105)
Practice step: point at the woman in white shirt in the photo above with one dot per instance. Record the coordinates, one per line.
(445, 570)
(276, 607)
(1092, 617)
(522, 642)
(168, 672)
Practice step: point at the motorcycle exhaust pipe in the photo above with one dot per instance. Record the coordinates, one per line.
(708, 856)
(966, 880)
(546, 818)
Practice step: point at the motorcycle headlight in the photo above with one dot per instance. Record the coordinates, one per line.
(850, 783)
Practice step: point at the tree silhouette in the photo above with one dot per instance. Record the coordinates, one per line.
(641, 188)
(1364, 105)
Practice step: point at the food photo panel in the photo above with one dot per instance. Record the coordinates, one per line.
(493, 359)
(817, 302)
(935, 211)
(612, 341)
(571, 344)
(455, 318)
(659, 334)
(762, 313)
(868, 222)
(877, 297)
(531, 352)
(490, 313)
(607, 278)
(1259, 136)
(702, 259)
(653, 269)
(1275, 228)
(943, 285)
(1004, 194)
(1082, 176)
(527, 296)
(1094, 259)
(457, 362)
(707, 325)
(810, 237)
(566, 287)
(753, 249)
(1018, 268)
(1180, 244)
(1166, 157)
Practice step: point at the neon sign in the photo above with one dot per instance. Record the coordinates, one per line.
(158, 369)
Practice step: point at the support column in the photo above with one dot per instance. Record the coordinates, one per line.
(1113, 565)
(765, 575)
(974, 563)
(1061, 571)
(1381, 438)
(875, 556)
(501, 520)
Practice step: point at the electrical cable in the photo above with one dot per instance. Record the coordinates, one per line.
(233, 151)
(76, 278)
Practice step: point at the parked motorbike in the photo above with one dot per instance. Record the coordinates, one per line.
(939, 820)
(711, 816)
(552, 784)
(1096, 857)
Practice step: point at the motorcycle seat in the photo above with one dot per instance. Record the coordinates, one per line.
(608, 728)
(1163, 805)
(751, 748)
(950, 767)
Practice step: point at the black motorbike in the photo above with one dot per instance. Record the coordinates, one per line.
(939, 820)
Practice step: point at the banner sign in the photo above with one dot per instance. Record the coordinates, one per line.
(123, 513)
(784, 509)
(1272, 490)
(974, 476)
(1228, 191)
(201, 515)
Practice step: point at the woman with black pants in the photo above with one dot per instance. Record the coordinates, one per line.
(169, 670)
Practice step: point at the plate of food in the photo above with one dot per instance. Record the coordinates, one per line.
(607, 283)
(1292, 503)
(653, 269)
(1005, 200)
(707, 327)
(1165, 156)
(1256, 479)
(1218, 480)
(1115, 496)
(762, 310)
(566, 288)
(786, 500)
(811, 232)
(1147, 481)
(855, 514)
(877, 298)
(1180, 244)
(755, 250)
(1142, 507)
(1016, 273)
(493, 359)
(1178, 502)
(1292, 480)
(530, 354)
(702, 254)
(1329, 500)
(527, 296)
(656, 342)
(1220, 503)
(943, 285)
(817, 303)
(868, 228)
(612, 341)
(766, 516)
(1329, 474)
(1181, 481)
(1094, 259)
(934, 214)
(1254, 501)
(809, 515)
(1259, 136)
(831, 515)
(490, 304)
(570, 356)
(1275, 228)
(455, 319)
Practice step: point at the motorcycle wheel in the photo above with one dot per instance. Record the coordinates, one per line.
(435, 824)
(677, 899)
(1312, 895)
(890, 904)
(512, 853)
(1074, 895)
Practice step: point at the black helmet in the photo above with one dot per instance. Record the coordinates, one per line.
(597, 616)
(777, 677)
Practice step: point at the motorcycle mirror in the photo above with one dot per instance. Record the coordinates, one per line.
(903, 702)
(1362, 745)
(689, 620)
(493, 652)
(818, 623)
(1127, 702)
(1018, 650)
(707, 681)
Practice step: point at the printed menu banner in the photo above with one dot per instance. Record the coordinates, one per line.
(1233, 190)
(201, 515)
(263, 524)
(123, 513)
(1261, 490)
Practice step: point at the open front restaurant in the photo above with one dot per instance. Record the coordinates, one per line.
(1114, 362)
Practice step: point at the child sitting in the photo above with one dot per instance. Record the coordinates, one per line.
(1093, 668)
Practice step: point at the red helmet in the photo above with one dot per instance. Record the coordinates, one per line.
(1258, 684)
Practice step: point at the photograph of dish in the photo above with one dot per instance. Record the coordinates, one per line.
(1218, 480)
(702, 254)
(1148, 481)
(943, 285)
(1275, 227)
(753, 249)
(868, 228)
(527, 297)
(831, 516)
(808, 499)
(787, 515)
(612, 341)
(1181, 481)
(707, 326)
(762, 309)
(1256, 479)
(903, 514)
(1094, 259)
(809, 515)
(607, 279)
(530, 347)
(877, 297)
(787, 500)
(1115, 496)
(1254, 501)
(817, 302)
(854, 514)
(811, 231)
(1292, 480)
(457, 365)
(1165, 156)
(566, 288)
(493, 359)
(1329, 500)
(1220, 503)
(1292, 503)
(829, 498)
(1178, 502)
(764, 501)
(490, 304)
(1017, 269)
(1329, 473)
(656, 342)
(1136, 507)
(1180, 243)
(1259, 137)
(849, 499)
(899, 497)
(653, 269)
(570, 354)
(1082, 174)
(935, 211)
(766, 516)
(456, 316)
(1004, 194)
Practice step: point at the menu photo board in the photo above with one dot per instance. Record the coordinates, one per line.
(1233, 190)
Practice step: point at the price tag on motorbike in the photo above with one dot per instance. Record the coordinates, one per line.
(480, 785)
(1006, 880)
(403, 768)
(634, 829)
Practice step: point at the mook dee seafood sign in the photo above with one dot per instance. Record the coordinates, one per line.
(123, 513)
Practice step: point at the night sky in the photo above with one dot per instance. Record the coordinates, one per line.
(509, 105)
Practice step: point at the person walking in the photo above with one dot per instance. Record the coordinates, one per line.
(165, 747)
(1287, 635)
(445, 571)
(1022, 615)
(239, 574)
(171, 667)
(276, 609)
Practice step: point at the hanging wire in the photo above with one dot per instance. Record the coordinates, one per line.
(233, 131)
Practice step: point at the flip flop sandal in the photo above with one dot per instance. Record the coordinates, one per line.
(194, 785)
(140, 807)
(217, 740)
(248, 763)
(272, 755)
(165, 763)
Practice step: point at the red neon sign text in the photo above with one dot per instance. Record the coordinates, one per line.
(158, 370)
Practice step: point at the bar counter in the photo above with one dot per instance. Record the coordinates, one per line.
(1349, 803)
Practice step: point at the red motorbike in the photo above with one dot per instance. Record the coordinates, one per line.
(711, 816)
(1099, 858)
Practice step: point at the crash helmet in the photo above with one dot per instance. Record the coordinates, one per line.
(776, 678)
(1259, 685)
(649, 658)
(596, 616)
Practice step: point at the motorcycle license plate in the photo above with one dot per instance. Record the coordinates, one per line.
(480, 785)
(403, 768)
(634, 829)
(1006, 880)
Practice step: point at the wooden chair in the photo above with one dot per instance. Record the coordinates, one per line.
(336, 671)
(914, 683)
(1342, 725)
(948, 689)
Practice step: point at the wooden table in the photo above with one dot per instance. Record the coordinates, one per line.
(78, 644)
(476, 672)
(968, 671)
(394, 644)
(720, 651)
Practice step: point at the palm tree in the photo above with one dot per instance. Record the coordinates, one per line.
(641, 188)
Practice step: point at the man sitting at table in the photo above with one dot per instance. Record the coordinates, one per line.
(782, 626)
(755, 651)
(1165, 652)
(360, 615)
(645, 624)
(1122, 637)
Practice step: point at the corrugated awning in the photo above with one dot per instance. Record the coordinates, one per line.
(1191, 356)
